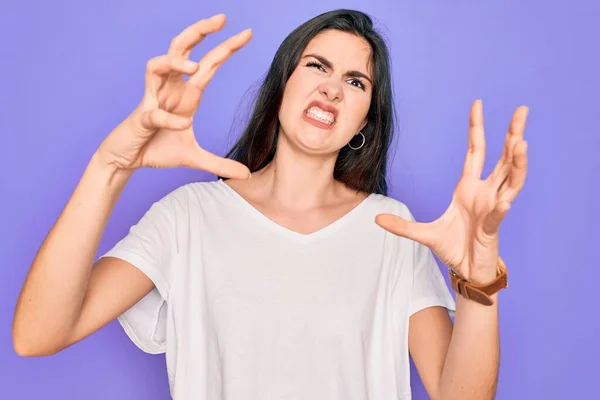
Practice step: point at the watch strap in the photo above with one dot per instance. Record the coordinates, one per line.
(477, 292)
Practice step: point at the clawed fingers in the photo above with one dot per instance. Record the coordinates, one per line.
(514, 135)
(492, 222)
(183, 44)
(160, 66)
(160, 119)
(517, 173)
(475, 158)
(216, 57)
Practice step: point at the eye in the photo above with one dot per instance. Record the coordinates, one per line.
(358, 83)
(316, 64)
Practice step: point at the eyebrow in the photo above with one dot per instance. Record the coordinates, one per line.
(329, 64)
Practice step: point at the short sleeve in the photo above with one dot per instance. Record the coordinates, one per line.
(429, 287)
(151, 245)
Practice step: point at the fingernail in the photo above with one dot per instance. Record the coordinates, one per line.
(249, 175)
(184, 122)
(189, 64)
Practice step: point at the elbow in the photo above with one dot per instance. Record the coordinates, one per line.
(27, 346)
(25, 349)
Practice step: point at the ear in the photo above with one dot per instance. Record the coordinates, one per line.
(365, 122)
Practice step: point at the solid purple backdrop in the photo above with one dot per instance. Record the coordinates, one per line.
(70, 71)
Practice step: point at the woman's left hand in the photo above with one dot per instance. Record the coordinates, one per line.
(465, 237)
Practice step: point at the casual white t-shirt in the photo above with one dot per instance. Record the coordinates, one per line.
(246, 309)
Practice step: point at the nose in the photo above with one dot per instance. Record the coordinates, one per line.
(332, 90)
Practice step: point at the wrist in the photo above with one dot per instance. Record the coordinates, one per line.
(484, 277)
(481, 286)
(100, 167)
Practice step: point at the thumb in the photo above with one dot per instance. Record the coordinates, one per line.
(417, 231)
(198, 158)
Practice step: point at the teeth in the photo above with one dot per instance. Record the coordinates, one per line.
(318, 114)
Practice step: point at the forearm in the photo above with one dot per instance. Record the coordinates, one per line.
(49, 304)
(471, 366)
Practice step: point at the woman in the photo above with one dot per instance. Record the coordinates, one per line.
(305, 281)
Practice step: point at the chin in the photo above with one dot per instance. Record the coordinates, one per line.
(315, 141)
(312, 136)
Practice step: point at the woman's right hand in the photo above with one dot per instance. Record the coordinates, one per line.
(159, 132)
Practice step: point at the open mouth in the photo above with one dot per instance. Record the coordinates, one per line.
(321, 113)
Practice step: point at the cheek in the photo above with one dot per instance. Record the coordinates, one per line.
(286, 109)
(357, 107)
(297, 90)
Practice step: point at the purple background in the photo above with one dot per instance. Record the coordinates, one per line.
(70, 71)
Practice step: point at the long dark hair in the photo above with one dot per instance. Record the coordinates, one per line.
(363, 169)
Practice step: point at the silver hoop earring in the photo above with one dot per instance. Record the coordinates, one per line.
(361, 145)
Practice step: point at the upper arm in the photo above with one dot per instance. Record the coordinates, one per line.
(115, 285)
(429, 333)
(133, 268)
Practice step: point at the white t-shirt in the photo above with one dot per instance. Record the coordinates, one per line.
(246, 309)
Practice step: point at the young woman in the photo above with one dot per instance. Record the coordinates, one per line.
(305, 281)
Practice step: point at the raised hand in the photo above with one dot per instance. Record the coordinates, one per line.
(466, 236)
(159, 132)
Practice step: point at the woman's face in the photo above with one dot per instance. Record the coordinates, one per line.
(328, 95)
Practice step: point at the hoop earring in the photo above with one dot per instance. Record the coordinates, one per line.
(361, 145)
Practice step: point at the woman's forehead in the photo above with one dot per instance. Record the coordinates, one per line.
(344, 50)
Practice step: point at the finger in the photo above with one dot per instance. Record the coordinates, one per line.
(183, 44)
(417, 231)
(500, 178)
(216, 57)
(159, 118)
(165, 64)
(492, 222)
(515, 133)
(518, 172)
(518, 122)
(160, 66)
(201, 159)
(475, 158)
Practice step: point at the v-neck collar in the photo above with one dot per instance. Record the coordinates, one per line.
(294, 235)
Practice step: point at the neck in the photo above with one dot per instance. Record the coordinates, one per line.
(298, 180)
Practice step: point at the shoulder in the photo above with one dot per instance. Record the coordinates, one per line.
(196, 189)
(193, 195)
